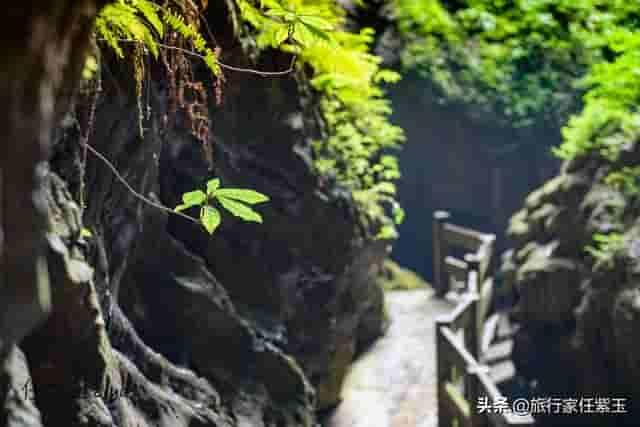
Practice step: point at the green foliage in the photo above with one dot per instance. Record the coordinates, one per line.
(130, 20)
(90, 67)
(605, 248)
(176, 22)
(610, 121)
(290, 25)
(356, 149)
(374, 201)
(609, 125)
(518, 60)
(234, 200)
(527, 60)
(146, 22)
(625, 180)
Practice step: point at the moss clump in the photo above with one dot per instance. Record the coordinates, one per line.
(395, 278)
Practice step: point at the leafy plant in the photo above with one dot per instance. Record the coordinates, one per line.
(381, 205)
(626, 180)
(610, 120)
(517, 61)
(176, 22)
(357, 150)
(146, 22)
(605, 248)
(525, 61)
(130, 20)
(290, 25)
(234, 200)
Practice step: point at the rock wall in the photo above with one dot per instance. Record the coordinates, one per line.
(579, 314)
(156, 323)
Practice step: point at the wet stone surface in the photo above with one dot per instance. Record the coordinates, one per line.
(394, 383)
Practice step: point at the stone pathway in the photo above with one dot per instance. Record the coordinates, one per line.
(394, 383)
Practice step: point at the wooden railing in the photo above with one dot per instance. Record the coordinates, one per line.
(463, 382)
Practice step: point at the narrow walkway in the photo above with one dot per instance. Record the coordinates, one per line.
(394, 383)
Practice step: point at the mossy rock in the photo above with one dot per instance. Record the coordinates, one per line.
(396, 278)
(542, 194)
(519, 227)
(534, 199)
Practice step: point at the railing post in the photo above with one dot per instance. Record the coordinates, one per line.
(443, 370)
(440, 279)
(474, 389)
(472, 332)
(486, 266)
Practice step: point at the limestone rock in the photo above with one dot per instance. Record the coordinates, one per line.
(583, 311)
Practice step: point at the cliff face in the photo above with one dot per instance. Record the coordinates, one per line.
(156, 323)
(579, 312)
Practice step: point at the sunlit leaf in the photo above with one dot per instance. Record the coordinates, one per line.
(240, 210)
(194, 198)
(212, 186)
(247, 196)
(210, 218)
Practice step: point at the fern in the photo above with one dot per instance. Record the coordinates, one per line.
(146, 22)
(130, 20)
(176, 22)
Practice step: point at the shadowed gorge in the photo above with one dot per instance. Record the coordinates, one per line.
(306, 213)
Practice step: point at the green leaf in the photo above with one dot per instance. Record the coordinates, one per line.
(240, 210)
(90, 67)
(212, 186)
(398, 214)
(317, 32)
(317, 22)
(281, 34)
(194, 198)
(85, 232)
(387, 232)
(150, 43)
(150, 12)
(210, 218)
(386, 188)
(247, 196)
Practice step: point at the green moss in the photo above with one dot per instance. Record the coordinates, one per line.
(396, 278)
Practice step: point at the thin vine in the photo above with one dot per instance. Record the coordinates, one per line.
(188, 52)
(128, 186)
(141, 22)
